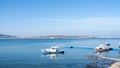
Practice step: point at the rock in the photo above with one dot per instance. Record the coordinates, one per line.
(115, 65)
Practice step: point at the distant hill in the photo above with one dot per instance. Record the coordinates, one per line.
(3, 36)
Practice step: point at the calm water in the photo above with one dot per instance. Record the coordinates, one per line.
(25, 53)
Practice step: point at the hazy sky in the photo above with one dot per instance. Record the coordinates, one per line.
(60, 17)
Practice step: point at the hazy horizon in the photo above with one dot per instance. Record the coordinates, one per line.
(60, 17)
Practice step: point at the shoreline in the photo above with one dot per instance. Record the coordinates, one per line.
(59, 38)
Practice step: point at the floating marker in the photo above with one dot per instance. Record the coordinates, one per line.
(78, 47)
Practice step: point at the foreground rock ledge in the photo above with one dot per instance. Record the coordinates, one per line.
(115, 65)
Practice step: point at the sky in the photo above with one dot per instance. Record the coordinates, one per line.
(60, 17)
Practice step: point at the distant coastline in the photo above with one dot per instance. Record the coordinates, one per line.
(3, 36)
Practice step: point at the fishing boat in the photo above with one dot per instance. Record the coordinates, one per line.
(103, 47)
(53, 49)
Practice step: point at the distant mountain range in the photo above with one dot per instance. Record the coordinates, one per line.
(3, 36)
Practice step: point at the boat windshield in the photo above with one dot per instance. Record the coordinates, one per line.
(54, 47)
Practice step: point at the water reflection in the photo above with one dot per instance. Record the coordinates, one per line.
(101, 53)
(119, 53)
(97, 62)
(52, 55)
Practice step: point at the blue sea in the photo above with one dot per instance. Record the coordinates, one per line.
(26, 53)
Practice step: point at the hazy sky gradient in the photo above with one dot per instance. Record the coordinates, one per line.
(60, 17)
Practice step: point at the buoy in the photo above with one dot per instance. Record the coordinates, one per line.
(110, 48)
(71, 46)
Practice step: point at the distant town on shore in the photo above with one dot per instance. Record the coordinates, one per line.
(3, 36)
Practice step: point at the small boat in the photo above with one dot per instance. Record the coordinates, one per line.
(53, 49)
(103, 47)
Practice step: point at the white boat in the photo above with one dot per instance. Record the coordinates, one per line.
(103, 47)
(53, 49)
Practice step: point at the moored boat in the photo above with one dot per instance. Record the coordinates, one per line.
(103, 47)
(53, 49)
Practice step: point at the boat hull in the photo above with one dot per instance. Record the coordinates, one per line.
(102, 50)
(51, 52)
